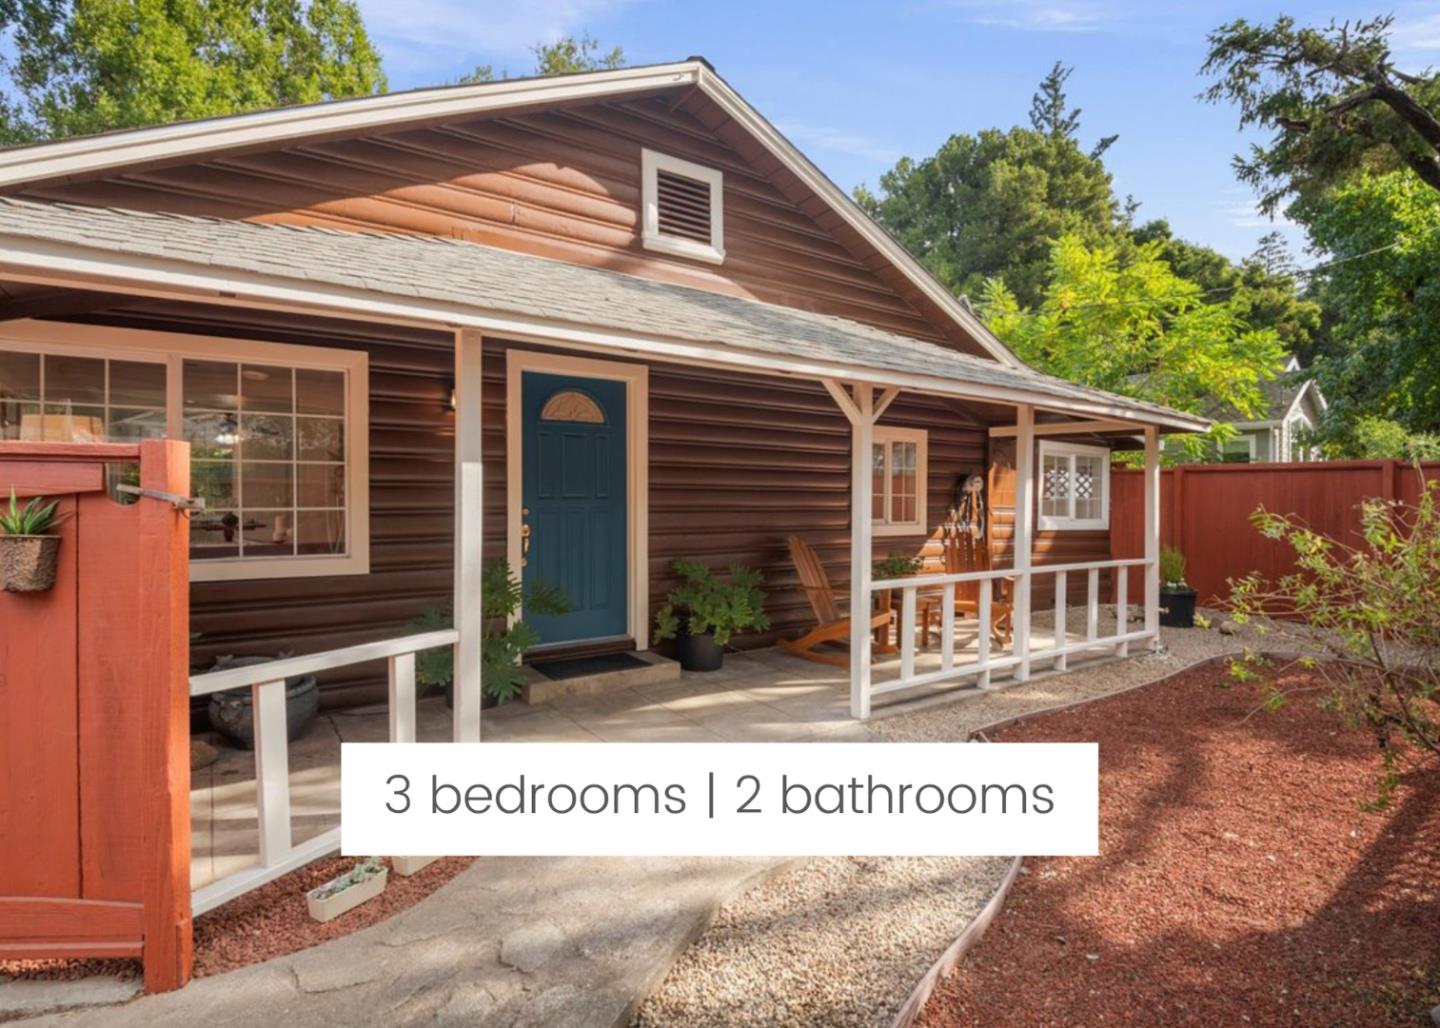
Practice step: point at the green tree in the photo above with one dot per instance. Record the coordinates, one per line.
(81, 66)
(1335, 101)
(1131, 325)
(990, 205)
(566, 55)
(1381, 287)
(1264, 286)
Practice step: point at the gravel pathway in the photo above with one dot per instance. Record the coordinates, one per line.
(841, 942)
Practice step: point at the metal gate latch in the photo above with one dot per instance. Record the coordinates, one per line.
(174, 499)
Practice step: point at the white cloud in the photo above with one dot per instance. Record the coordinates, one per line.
(1238, 206)
(820, 137)
(408, 27)
(1416, 32)
(1036, 15)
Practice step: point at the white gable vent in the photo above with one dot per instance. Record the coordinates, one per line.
(682, 207)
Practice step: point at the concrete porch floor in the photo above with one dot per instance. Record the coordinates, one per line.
(759, 696)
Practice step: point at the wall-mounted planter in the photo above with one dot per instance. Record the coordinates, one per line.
(28, 562)
(326, 905)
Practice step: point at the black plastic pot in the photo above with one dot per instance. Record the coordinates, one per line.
(699, 652)
(1177, 609)
(232, 713)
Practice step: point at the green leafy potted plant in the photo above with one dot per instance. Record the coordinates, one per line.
(897, 565)
(1177, 599)
(364, 881)
(704, 611)
(29, 554)
(503, 641)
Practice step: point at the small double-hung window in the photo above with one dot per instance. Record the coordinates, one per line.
(898, 479)
(1074, 486)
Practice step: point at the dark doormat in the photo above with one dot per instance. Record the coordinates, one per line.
(579, 667)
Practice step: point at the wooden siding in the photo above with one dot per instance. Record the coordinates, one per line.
(563, 184)
(737, 464)
(412, 492)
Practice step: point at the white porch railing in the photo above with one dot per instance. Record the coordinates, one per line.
(279, 853)
(1022, 653)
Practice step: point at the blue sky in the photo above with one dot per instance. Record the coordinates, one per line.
(857, 85)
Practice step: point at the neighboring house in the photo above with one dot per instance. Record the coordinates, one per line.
(1293, 407)
(666, 333)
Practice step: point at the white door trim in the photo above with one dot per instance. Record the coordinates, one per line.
(637, 465)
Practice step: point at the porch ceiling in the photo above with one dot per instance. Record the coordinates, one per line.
(440, 281)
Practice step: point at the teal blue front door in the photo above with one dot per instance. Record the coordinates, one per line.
(573, 502)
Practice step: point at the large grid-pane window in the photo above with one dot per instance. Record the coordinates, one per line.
(47, 397)
(276, 436)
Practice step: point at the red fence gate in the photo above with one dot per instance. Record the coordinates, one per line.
(1205, 511)
(94, 747)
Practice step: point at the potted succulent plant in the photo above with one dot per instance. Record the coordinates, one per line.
(1177, 599)
(364, 881)
(504, 641)
(29, 554)
(232, 712)
(704, 611)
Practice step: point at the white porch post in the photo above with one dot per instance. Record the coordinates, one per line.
(468, 533)
(1024, 533)
(862, 434)
(1152, 535)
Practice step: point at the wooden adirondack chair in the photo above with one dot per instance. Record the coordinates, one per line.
(832, 622)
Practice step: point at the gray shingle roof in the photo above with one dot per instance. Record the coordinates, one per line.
(488, 279)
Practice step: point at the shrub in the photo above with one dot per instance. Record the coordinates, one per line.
(504, 642)
(1367, 617)
(711, 604)
(1172, 567)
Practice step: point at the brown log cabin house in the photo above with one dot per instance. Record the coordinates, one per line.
(350, 309)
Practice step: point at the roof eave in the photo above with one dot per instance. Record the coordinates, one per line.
(70, 265)
(85, 155)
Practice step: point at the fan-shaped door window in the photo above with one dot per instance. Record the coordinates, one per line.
(572, 405)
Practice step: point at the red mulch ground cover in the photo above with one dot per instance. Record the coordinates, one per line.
(270, 921)
(1238, 882)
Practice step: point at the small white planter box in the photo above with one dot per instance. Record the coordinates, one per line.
(331, 907)
(407, 866)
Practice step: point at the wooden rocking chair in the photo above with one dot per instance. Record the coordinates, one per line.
(831, 624)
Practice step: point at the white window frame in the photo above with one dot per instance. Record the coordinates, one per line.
(884, 435)
(651, 163)
(172, 349)
(1061, 523)
(1248, 438)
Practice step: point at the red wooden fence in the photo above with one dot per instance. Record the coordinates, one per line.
(94, 700)
(1205, 511)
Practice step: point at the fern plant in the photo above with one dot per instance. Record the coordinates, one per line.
(503, 643)
(35, 518)
(712, 605)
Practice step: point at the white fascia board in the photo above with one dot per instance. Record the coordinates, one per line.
(98, 153)
(1305, 389)
(73, 266)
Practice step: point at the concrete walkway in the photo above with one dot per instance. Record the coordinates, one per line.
(514, 942)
